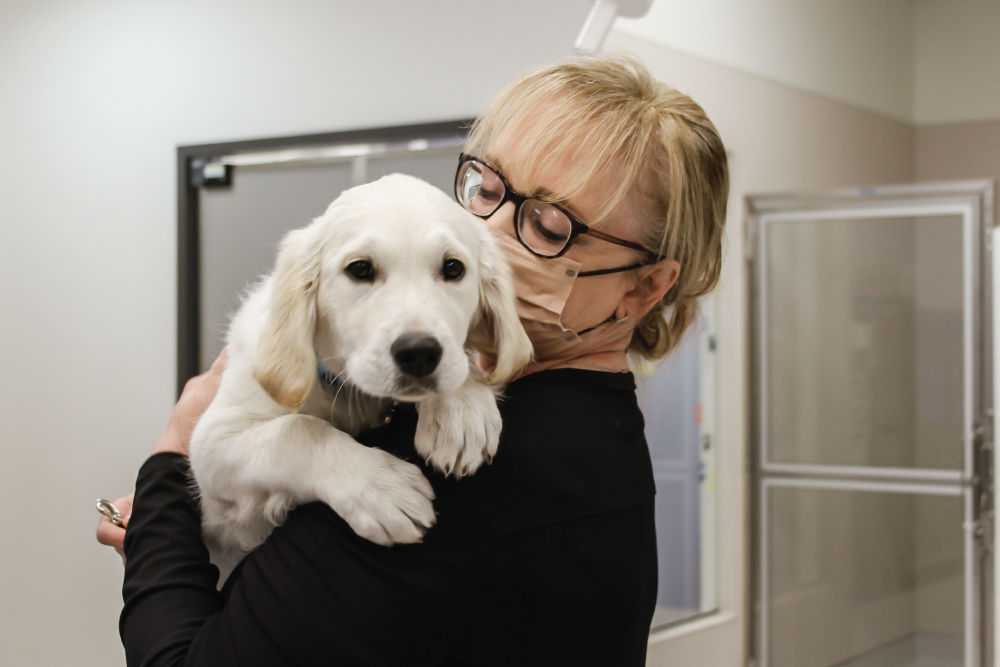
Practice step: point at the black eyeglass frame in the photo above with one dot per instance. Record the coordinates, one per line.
(576, 226)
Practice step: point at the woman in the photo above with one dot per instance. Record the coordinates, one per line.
(608, 193)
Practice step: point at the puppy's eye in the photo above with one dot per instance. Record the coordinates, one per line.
(361, 270)
(452, 269)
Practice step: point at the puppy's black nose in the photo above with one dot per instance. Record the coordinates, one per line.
(416, 354)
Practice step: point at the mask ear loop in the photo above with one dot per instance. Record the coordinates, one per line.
(610, 320)
(619, 269)
(603, 272)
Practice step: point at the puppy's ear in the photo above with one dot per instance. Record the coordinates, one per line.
(285, 365)
(498, 320)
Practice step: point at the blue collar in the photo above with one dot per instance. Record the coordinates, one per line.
(328, 378)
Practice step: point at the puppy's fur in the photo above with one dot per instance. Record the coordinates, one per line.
(276, 435)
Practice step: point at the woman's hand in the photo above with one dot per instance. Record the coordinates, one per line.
(198, 393)
(176, 437)
(112, 535)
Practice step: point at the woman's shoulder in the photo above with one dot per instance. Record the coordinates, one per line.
(576, 408)
(572, 444)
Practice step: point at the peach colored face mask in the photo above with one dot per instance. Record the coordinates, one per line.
(542, 287)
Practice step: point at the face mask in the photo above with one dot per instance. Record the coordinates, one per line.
(542, 287)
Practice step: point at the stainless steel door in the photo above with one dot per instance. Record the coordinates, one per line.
(871, 388)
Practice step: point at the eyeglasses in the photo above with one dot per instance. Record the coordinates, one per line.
(543, 228)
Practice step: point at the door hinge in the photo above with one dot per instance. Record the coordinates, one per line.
(983, 445)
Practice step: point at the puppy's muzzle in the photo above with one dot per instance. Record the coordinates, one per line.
(417, 355)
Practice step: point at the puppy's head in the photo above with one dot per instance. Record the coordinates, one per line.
(385, 287)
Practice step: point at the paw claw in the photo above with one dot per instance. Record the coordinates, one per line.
(456, 433)
(392, 504)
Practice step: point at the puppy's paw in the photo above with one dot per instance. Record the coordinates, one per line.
(457, 432)
(386, 500)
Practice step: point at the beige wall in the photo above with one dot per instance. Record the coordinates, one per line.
(955, 55)
(946, 151)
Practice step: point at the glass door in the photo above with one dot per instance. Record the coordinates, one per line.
(870, 393)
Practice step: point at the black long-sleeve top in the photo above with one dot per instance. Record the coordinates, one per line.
(547, 557)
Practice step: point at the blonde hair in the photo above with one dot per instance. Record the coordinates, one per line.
(609, 117)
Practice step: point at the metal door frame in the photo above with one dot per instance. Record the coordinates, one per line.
(991, 437)
(973, 201)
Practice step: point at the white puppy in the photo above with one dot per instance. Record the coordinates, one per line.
(371, 303)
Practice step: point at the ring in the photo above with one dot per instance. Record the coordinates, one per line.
(108, 509)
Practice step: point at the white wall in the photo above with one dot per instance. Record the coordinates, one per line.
(956, 54)
(854, 51)
(96, 95)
